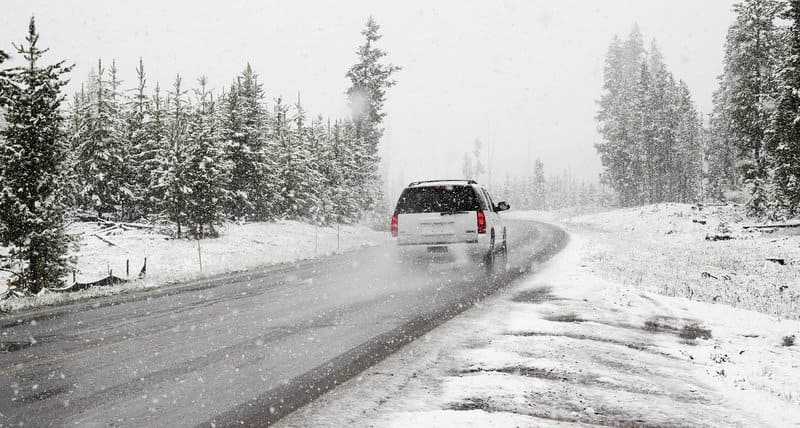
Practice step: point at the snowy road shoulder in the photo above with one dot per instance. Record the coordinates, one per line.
(565, 346)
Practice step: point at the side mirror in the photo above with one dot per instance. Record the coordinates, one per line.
(502, 206)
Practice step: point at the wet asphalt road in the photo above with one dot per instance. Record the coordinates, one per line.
(244, 348)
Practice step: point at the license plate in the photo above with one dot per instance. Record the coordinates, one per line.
(437, 249)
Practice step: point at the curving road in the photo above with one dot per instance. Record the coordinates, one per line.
(241, 348)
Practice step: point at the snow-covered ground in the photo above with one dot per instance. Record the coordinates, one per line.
(663, 248)
(578, 343)
(239, 247)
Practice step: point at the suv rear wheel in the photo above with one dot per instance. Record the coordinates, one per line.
(496, 260)
(489, 258)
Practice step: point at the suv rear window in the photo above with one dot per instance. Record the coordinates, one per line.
(435, 199)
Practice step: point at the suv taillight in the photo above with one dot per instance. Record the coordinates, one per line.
(394, 224)
(481, 222)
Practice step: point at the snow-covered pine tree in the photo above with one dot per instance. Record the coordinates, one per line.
(685, 160)
(307, 177)
(76, 124)
(345, 191)
(206, 170)
(3, 79)
(619, 151)
(138, 152)
(289, 160)
(320, 161)
(127, 195)
(642, 141)
(369, 78)
(540, 197)
(721, 155)
(244, 132)
(784, 141)
(33, 151)
(477, 152)
(174, 161)
(230, 124)
(466, 166)
(752, 52)
(661, 161)
(150, 157)
(471, 165)
(100, 156)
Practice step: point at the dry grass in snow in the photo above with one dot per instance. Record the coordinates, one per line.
(664, 248)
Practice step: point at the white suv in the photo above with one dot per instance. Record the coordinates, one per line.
(451, 218)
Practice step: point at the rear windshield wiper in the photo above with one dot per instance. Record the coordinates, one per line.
(453, 212)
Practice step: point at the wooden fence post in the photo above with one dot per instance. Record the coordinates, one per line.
(199, 254)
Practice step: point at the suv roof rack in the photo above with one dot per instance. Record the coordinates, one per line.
(415, 183)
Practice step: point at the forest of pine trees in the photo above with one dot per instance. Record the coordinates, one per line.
(652, 133)
(180, 154)
(193, 158)
(654, 146)
(754, 133)
(536, 191)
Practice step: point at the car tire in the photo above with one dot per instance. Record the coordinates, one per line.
(501, 260)
(496, 261)
(490, 260)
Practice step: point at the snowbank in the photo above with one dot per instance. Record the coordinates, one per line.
(239, 247)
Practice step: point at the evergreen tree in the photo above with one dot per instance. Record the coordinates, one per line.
(642, 141)
(127, 194)
(619, 151)
(33, 151)
(662, 159)
(466, 167)
(290, 169)
(138, 153)
(369, 78)
(100, 156)
(320, 166)
(244, 132)
(206, 171)
(174, 167)
(3, 77)
(471, 166)
(344, 182)
(307, 177)
(539, 186)
(752, 50)
(150, 157)
(720, 153)
(784, 142)
(685, 161)
(77, 123)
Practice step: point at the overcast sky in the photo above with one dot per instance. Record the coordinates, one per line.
(523, 74)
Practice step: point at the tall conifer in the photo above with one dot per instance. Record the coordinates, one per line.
(33, 151)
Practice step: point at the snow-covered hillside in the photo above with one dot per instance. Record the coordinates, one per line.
(169, 260)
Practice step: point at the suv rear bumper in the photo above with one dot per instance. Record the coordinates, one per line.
(455, 251)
